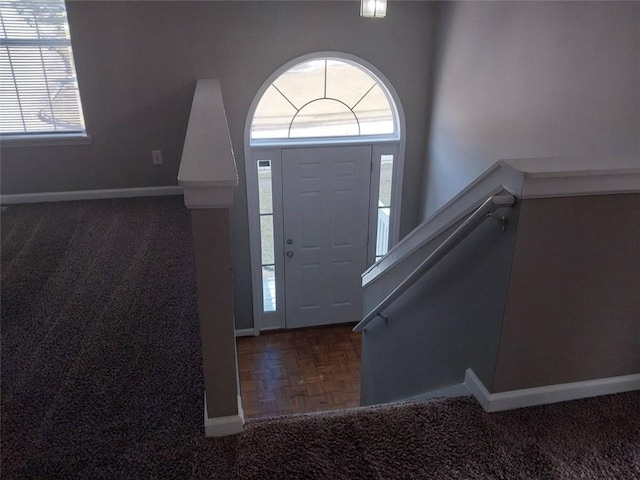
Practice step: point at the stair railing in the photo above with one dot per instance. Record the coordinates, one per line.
(483, 212)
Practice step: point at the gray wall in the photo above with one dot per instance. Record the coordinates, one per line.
(211, 240)
(573, 310)
(450, 320)
(137, 63)
(529, 79)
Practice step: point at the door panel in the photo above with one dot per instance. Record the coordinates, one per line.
(326, 220)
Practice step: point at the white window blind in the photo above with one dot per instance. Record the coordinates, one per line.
(38, 86)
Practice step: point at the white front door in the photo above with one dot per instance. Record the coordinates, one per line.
(326, 224)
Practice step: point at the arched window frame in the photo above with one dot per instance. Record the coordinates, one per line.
(370, 70)
(270, 149)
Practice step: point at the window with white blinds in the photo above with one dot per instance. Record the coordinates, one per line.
(38, 86)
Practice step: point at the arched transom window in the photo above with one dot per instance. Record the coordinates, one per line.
(324, 98)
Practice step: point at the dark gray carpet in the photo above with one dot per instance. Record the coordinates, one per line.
(101, 378)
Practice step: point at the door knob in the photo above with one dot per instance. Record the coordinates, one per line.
(290, 254)
(289, 241)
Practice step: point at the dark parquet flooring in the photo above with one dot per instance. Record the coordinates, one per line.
(300, 371)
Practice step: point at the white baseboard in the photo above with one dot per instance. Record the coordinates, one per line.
(245, 332)
(528, 397)
(223, 426)
(89, 194)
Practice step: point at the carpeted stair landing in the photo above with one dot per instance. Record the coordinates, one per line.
(101, 378)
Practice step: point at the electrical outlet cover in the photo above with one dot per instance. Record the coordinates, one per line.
(156, 155)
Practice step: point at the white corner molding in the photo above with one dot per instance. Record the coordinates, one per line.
(528, 397)
(223, 426)
(89, 195)
(208, 170)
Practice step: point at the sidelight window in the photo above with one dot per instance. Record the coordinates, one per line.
(383, 233)
(265, 200)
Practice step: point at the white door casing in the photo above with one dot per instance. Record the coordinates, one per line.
(326, 226)
(267, 312)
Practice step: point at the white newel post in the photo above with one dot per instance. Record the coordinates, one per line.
(208, 176)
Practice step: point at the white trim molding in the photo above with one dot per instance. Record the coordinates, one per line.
(208, 167)
(223, 426)
(528, 397)
(525, 178)
(44, 140)
(581, 185)
(208, 197)
(573, 176)
(89, 195)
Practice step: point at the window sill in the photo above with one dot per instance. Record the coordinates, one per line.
(13, 141)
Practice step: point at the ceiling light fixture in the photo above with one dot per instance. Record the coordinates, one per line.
(373, 8)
